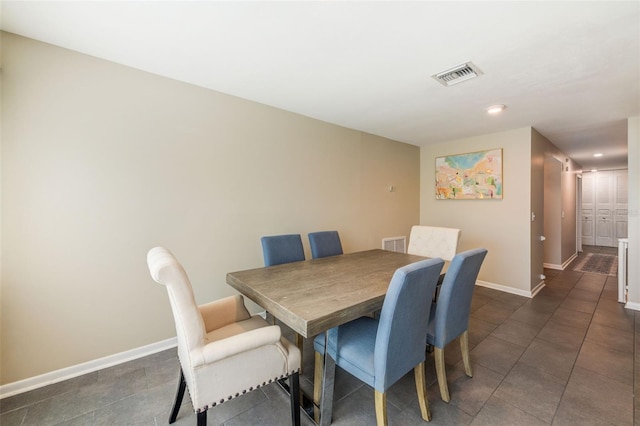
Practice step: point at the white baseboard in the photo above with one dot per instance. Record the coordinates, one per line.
(537, 289)
(571, 259)
(511, 290)
(52, 377)
(632, 305)
(560, 267)
(553, 266)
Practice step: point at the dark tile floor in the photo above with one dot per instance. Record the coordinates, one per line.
(570, 356)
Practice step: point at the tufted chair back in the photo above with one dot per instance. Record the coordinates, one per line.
(434, 241)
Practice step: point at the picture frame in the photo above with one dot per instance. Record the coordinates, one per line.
(470, 176)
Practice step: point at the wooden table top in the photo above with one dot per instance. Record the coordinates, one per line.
(315, 295)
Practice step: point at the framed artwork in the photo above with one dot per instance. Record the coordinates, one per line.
(472, 176)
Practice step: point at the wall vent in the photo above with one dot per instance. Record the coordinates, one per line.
(458, 74)
(397, 244)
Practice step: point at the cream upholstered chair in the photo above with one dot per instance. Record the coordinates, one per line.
(434, 241)
(224, 352)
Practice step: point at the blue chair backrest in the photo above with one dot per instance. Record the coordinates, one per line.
(279, 249)
(402, 329)
(454, 301)
(325, 243)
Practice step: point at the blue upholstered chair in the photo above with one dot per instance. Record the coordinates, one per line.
(450, 318)
(279, 249)
(379, 351)
(325, 243)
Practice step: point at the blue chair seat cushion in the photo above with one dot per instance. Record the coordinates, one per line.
(356, 340)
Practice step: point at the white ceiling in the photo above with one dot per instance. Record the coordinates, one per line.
(569, 69)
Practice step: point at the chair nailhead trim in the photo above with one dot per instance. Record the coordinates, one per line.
(251, 388)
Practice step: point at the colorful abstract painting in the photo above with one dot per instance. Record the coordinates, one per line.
(473, 176)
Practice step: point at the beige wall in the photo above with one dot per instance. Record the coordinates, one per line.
(538, 197)
(559, 193)
(634, 212)
(552, 212)
(101, 162)
(501, 226)
(516, 254)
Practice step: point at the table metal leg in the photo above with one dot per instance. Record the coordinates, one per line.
(328, 381)
(308, 406)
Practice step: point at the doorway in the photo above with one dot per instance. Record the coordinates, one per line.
(604, 207)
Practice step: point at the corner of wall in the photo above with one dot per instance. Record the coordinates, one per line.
(633, 140)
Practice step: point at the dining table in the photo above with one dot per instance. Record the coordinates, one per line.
(313, 296)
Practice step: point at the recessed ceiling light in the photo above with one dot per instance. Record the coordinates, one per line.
(598, 154)
(496, 109)
(594, 170)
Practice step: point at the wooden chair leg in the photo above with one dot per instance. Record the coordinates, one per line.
(438, 354)
(294, 389)
(317, 385)
(202, 418)
(464, 347)
(182, 385)
(381, 408)
(421, 389)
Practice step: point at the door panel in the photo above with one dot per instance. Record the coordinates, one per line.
(621, 229)
(604, 236)
(621, 204)
(588, 213)
(604, 205)
(587, 226)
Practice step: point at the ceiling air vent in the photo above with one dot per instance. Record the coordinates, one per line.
(458, 74)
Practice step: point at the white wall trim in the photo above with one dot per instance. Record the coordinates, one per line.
(632, 305)
(537, 289)
(553, 266)
(56, 376)
(511, 290)
(563, 266)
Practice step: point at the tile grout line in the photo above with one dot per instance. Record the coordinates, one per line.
(544, 324)
(523, 352)
(580, 348)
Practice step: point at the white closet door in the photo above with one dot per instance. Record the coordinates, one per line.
(621, 205)
(604, 210)
(588, 209)
(604, 207)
